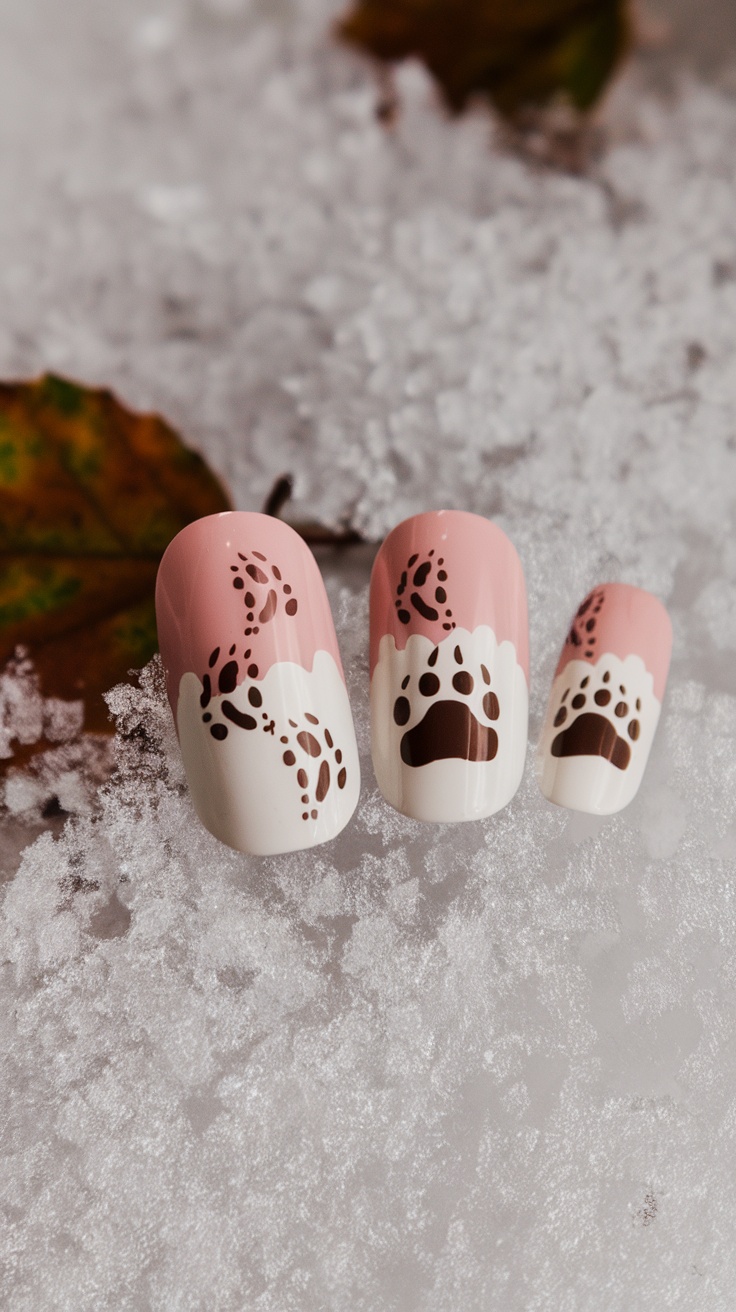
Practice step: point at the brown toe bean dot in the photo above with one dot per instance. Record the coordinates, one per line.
(578, 700)
(607, 676)
(289, 758)
(602, 697)
(560, 717)
(228, 677)
(634, 730)
(462, 682)
(308, 743)
(429, 685)
(491, 706)
(402, 710)
(621, 709)
(342, 777)
(585, 681)
(485, 673)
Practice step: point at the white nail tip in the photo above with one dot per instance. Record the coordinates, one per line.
(422, 709)
(617, 715)
(249, 786)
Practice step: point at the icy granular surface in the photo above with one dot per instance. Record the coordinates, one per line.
(487, 1067)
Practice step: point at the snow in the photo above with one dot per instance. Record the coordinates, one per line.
(488, 1066)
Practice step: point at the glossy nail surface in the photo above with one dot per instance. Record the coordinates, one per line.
(256, 684)
(605, 700)
(449, 667)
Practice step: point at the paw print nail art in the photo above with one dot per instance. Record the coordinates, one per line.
(263, 591)
(256, 684)
(449, 663)
(422, 589)
(447, 727)
(605, 700)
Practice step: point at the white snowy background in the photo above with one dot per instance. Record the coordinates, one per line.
(489, 1067)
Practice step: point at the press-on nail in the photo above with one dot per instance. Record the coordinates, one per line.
(449, 667)
(256, 684)
(605, 700)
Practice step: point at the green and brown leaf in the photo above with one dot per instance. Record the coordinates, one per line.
(90, 496)
(518, 53)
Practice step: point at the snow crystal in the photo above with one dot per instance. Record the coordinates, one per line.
(488, 1066)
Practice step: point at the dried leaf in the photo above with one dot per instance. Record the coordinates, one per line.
(518, 53)
(90, 496)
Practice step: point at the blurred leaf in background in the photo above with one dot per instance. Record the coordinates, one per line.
(90, 496)
(518, 53)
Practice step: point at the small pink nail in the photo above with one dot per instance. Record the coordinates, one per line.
(449, 667)
(605, 700)
(256, 684)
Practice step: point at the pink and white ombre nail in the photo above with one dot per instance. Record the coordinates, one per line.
(449, 667)
(605, 700)
(256, 684)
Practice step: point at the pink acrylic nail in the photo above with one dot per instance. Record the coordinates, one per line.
(449, 667)
(605, 700)
(255, 684)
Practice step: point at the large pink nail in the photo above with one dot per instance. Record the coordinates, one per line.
(605, 700)
(449, 667)
(256, 684)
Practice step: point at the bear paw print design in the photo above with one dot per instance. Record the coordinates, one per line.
(582, 633)
(595, 720)
(424, 591)
(227, 682)
(448, 729)
(301, 748)
(311, 749)
(264, 591)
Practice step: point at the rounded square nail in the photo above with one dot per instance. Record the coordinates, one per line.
(605, 700)
(256, 684)
(449, 667)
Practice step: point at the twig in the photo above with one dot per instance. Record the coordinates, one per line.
(316, 535)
